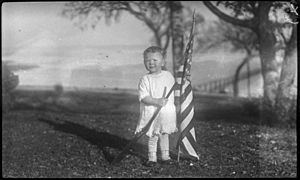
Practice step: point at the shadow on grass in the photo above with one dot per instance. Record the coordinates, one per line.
(71, 102)
(111, 145)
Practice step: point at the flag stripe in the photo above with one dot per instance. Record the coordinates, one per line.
(185, 153)
(184, 86)
(187, 129)
(187, 101)
(192, 131)
(187, 90)
(189, 147)
(191, 138)
(186, 121)
(183, 148)
(187, 111)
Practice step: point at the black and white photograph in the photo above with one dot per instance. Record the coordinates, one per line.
(149, 89)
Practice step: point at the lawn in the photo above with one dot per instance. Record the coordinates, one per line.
(79, 133)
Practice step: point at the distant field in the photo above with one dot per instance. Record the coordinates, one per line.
(76, 89)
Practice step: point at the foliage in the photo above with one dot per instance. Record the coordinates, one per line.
(9, 83)
(252, 107)
(240, 9)
(284, 117)
(248, 9)
(246, 14)
(269, 115)
(155, 14)
(287, 115)
(292, 113)
(219, 33)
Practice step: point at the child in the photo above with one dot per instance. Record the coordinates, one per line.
(150, 88)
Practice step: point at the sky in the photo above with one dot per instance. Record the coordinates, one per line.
(35, 33)
(25, 23)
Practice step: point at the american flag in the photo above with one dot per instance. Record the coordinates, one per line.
(186, 143)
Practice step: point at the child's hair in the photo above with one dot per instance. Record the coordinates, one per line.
(154, 49)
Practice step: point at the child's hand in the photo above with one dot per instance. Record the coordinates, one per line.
(162, 101)
(155, 101)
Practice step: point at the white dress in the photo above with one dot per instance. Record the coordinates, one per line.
(153, 85)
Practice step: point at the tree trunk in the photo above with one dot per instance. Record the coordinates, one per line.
(158, 42)
(289, 68)
(177, 34)
(248, 79)
(236, 76)
(269, 71)
(270, 75)
(267, 50)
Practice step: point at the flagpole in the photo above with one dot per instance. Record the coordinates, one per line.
(181, 85)
(178, 154)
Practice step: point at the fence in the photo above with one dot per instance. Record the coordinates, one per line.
(219, 85)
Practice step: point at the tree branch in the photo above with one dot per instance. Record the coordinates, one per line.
(283, 36)
(244, 23)
(292, 43)
(165, 33)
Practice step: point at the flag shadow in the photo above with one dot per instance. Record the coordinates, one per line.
(110, 145)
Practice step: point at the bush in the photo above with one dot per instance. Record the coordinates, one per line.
(9, 83)
(252, 107)
(280, 116)
(58, 90)
(292, 114)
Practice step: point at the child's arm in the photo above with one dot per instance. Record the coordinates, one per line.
(154, 101)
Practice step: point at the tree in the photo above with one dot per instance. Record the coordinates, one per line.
(287, 78)
(155, 14)
(164, 19)
(257, 16)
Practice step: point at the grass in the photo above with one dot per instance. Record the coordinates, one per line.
(78, 134)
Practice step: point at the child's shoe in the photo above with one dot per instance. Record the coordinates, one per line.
(150, 163)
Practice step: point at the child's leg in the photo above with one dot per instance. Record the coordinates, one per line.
(152, 147)
(164, 146)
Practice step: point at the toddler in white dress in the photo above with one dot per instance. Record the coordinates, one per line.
(150, 88)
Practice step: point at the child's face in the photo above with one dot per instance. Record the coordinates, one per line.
(153, 62)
